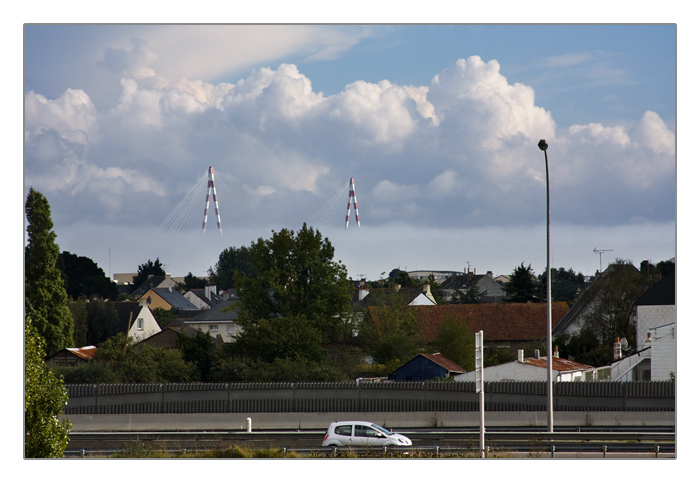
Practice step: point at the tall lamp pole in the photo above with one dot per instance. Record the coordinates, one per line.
(550, 400)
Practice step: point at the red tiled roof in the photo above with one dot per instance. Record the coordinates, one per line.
(86, 353)
(443, 361)
(558, 364)
(500, 322)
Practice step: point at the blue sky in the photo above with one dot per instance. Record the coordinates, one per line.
(438, 124)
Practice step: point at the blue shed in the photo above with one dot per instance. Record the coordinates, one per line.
(425, 367)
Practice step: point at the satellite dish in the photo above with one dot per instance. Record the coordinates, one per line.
(623, 344)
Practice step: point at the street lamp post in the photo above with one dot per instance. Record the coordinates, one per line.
(550, 404)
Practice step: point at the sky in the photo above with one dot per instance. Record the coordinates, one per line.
(438, 125)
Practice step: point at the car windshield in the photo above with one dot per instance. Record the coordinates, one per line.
(379, 428)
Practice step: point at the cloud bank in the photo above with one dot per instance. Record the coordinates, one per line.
(460, 152)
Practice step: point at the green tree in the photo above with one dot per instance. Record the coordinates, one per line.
(102, 322)
(164, 317)
(45, 398)
(190, 282)
(142, 362)
(471, 296)
(45, 299)
(522, 286)
(78, 311)
(389, 330)
(146, 269)
(83, 277)
(401, 277)
(232, 260)
(199, 350)
(292, 337)
(566, 285)
(297, 276)
(455, 340)
(611, 301)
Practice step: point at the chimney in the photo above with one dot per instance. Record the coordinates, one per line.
(208, 290)
(617, 349)
(489, 273)
(537, 353)
(521, 355)
(556, 351)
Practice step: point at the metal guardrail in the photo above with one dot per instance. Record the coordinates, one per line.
(502, 443)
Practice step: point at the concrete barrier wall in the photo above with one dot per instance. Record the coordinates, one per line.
(214, 398)
(392, 420)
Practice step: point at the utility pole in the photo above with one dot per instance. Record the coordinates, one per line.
(479, 339)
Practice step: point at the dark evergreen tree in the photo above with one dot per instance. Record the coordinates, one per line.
(45, 299)
(148, 268)
(522, 286)
(566, 285)
(84, 278)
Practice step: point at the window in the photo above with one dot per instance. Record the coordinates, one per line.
(343, 430)
(366, 432)
(139, 324)
(213, 327)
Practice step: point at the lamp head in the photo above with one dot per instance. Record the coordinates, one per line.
(543, 145)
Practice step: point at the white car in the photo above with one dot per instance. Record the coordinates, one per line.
(362, 433)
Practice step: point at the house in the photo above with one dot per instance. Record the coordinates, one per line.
(438, 275)
(166, 299)
(655, 357)
(144, 325)
(219, 321)
(169, 338)
(155, 281)
(204, 298)
(505, 325)
(425, 367)
(363, 298)
(574, 320)
(489, 289)
(72, 356)
(534, 369)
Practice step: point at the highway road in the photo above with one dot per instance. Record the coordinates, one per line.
(616, 442)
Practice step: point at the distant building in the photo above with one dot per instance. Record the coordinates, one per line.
(425, 367)
(534, 369)
(72, 356)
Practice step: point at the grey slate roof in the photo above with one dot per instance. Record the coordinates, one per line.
(152, 282)
(483, 283)
(663, 293)
(212, 301)
(218, 313)
(175, 298)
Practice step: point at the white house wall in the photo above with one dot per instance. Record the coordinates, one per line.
(663, 350)
(144, 326)
(660, 320)
(510, 371)
(196, 301)
(649, 316)
(227, 330)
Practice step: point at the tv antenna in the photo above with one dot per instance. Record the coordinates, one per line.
(600, 253)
